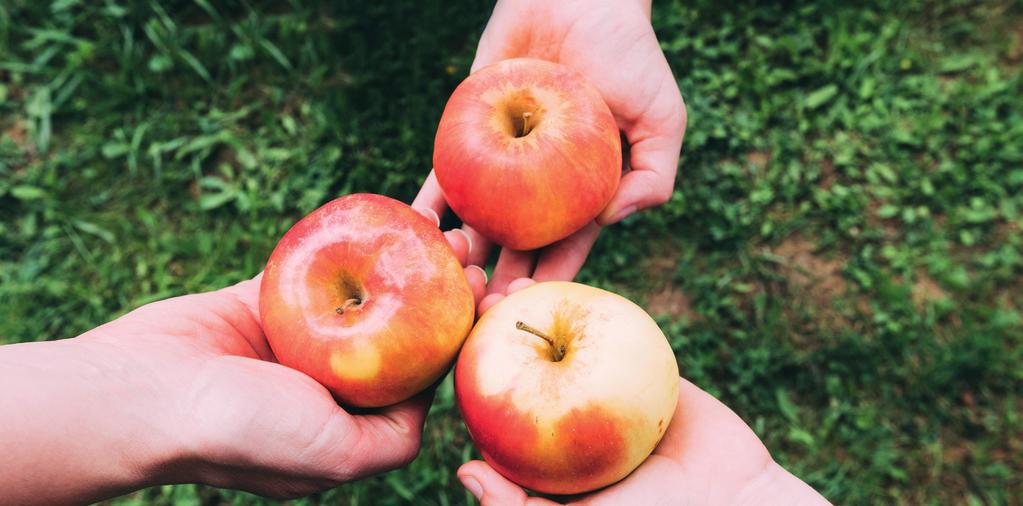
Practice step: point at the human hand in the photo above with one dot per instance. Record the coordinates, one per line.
(251, 423)
(612, 44)
(187, 390)
(708, 455)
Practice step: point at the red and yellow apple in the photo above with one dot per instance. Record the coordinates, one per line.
(566, 388)
(527, 152)
(366, 296)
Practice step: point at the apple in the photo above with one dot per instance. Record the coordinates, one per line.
(527, 152)
(365, 296)
(566, 388)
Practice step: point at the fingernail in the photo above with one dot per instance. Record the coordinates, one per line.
(472, 486)
(468, 239)
(430, 215)
(486, 279)
(622, 214)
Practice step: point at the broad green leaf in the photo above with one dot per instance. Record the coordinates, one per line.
(820, 96)
(27, 192)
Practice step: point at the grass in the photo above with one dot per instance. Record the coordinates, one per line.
(841, 262)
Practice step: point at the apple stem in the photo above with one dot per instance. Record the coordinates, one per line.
(558, 351)
(525, 123)
(348, 304)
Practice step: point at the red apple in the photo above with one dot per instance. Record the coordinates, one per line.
(566, 388)
(366, 296)
(527, 152)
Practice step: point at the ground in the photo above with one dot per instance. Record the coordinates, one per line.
(841, 262)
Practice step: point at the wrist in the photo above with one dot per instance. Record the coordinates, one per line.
(145, 389)
(80, 413)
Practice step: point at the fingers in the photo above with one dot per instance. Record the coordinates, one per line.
(492, 489)
(430, 202)
(240, 310)
(638, 190)
(655, 141)
(487, 51)
(477, 282)
(493, 44)
(562, 260)
(431, 197)
(558, 262)
(489, 301)
(480, 246)
(519, 284)
(511, 265)
(460, 244)
(385, 440)
(247, 292)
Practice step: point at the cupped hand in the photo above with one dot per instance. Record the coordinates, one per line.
(612, 44)
(239, 419)
(708, 456)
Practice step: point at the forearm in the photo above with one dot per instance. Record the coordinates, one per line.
(78, 424)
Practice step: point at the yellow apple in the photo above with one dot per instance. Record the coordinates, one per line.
(566, 388)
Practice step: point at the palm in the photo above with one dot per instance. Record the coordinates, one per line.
(710, 454)
(249, 422)
(611, 43)
(614, 48)
(707, 456)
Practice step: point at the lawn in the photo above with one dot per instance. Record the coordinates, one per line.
(841, 263)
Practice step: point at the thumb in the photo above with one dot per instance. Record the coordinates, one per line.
(638, 190)
(492, 489)
(504, 27)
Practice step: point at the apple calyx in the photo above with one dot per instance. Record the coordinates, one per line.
(557, 350)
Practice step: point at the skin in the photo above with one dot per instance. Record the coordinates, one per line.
(539, 132)
(177, 391)
(362, 282)
(612, 44)
(186, 390)
(708, 456)
(575, 424)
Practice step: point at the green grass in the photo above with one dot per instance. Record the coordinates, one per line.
(844, 248)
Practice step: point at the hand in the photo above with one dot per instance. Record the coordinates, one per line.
(707, 456)
(612, 44)
(186, 390)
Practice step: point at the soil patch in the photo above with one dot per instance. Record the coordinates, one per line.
(926, 290)
(816, 277)
(664, 297)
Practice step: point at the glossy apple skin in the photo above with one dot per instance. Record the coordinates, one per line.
(527, 192)
(416, 306)
(575, 425)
